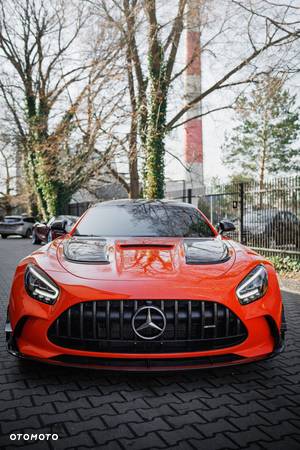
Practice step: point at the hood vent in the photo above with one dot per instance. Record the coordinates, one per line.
(83, 250)
(141, 245)
(206, 251)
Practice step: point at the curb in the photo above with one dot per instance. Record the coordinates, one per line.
(289, 290)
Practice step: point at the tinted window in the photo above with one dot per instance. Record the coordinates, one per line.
(143, 219)
(12, 219)
(29, 220)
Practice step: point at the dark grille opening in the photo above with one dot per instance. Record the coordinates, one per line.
(105, 326)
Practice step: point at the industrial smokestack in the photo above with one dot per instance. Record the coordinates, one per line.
(193, 139)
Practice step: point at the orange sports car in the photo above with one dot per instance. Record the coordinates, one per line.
(145, 285)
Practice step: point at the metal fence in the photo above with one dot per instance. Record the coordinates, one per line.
(267, 218)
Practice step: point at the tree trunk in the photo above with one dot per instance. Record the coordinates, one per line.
(155, 148)
(133, 157)
(154, 173)
(133, 172)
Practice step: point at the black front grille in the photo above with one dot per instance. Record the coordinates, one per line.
(105, 326)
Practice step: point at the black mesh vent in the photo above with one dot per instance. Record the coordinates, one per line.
(105, 326)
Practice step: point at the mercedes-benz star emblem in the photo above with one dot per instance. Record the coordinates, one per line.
(149, 322)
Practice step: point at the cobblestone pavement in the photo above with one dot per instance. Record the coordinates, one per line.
(249, 407)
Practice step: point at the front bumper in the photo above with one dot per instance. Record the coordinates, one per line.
(240, 354)
(29, 322)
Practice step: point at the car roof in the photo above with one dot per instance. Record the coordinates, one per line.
(128, 201)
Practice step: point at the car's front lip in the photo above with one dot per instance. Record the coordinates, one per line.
(147, 363)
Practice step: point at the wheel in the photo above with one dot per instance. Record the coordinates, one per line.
(27, 234)
(4, 236)
(35, 239)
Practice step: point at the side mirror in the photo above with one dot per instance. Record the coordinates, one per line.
(59, 225)
(225, 226)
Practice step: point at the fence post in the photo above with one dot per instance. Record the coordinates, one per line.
(241, 194)
(184, 191)
(189, 193)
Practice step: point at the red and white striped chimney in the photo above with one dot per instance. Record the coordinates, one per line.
(193, 139)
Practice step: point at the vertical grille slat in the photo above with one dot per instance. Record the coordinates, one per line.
(121, 312)
(107, 319)
(81, 320)
(105, 325)
(94, 320)
(238, 326)
(175, 319)
(189, 334)
(69, 325)
(227, 322)
(215, 319)
(202, 329)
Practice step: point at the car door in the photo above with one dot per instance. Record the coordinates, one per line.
(42, 230)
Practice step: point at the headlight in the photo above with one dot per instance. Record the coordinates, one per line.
(39, 286)
(254, 286)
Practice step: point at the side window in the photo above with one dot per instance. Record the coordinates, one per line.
(69, 225)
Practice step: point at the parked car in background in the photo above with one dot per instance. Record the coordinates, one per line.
(18, 225)
(271, 228)
(46, 232)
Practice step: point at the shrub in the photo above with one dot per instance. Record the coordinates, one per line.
(285, 264)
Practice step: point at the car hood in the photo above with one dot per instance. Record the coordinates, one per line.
(148, 259)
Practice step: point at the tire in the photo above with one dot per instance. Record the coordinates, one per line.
(4, 236)
(28, 234)
(35, 240)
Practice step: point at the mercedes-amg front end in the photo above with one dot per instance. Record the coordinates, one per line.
(145, 285)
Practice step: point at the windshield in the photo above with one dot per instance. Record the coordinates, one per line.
(143, 219)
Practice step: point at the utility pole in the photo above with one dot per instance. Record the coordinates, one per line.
(193, 137)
